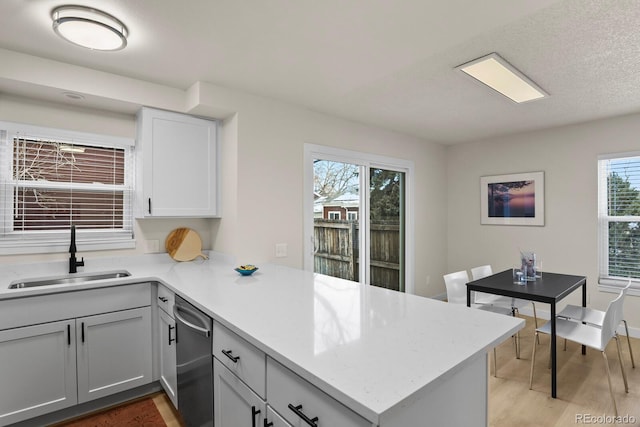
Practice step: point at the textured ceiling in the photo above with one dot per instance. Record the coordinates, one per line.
(389, 64)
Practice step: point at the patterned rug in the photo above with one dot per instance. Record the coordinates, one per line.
(142, 413)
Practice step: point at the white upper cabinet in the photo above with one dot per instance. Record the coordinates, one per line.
(177, 165)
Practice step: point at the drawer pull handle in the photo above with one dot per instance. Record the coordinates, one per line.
(69, 334)
(230, 355)
(298, 411)
(254, 412)
(163, 299)
(267, 423)
(170, 329)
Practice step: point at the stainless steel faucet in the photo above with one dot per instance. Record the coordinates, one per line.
(73, 262)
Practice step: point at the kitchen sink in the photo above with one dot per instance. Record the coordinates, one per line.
(68, 279)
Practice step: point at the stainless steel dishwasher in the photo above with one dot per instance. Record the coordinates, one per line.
(194, 364)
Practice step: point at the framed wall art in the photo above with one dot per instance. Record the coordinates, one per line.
(515, 199)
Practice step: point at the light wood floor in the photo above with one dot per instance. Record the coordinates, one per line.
(582, 384)
(165, 407)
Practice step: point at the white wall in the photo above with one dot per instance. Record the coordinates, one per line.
(266, 207)
(568, 241)
(262, 159)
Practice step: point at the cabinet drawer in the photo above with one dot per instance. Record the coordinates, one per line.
(67, 305)
(166, 299)
(295, 398)
(241, 357)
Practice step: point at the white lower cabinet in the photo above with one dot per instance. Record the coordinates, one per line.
(302, 404)
(234, 403)
(114, 352)
(37, 370)
(62, 349)
(59, 364)
(167, 356)
(252, 390)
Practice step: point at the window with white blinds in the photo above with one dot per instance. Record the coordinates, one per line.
(619, 218)
(52, 179)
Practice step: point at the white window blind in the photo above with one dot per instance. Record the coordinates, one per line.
(619, 218)
(51, 180)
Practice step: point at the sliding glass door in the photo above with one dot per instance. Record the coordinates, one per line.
(359, 220)
(386, 229)
(336, 214)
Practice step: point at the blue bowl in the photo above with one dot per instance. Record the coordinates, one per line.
(246, 272)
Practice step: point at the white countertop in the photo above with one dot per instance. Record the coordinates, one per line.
(373, 349)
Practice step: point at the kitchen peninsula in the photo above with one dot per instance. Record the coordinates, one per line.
(392, 359)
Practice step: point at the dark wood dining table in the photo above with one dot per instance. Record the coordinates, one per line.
(549, 288)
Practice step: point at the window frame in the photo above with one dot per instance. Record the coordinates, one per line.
(606, 282)
(334, 213)
(55, 241)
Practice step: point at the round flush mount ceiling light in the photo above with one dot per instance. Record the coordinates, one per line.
(88, 27)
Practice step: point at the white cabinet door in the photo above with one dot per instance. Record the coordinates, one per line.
(167, 354)
(274, 420)
(234, 404)
(114, 352)
(37, 370)
(177, 159)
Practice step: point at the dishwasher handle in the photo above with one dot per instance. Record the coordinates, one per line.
(206, 331)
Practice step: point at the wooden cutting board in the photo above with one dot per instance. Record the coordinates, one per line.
(184, 244)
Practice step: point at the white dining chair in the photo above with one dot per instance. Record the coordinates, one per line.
(595, 317)
(590, 336)
(456, 284)
(515, 304)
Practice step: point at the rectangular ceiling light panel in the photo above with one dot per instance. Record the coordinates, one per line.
(502, 77)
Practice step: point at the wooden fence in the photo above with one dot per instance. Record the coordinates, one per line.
(336, 251)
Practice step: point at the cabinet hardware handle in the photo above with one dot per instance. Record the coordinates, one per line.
(149, 205)
(298, 411)
(205, 329)
(82, 331)
(170, 329)
(163, 299)
(230, 355)
(267, 423)
(69, 334)
(254, 412)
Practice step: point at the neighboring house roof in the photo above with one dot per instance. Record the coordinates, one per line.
(344, 200)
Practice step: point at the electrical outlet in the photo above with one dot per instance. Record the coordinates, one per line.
(281, 250)
(151, 246)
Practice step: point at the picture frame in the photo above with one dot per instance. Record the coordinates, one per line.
(513, 199)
